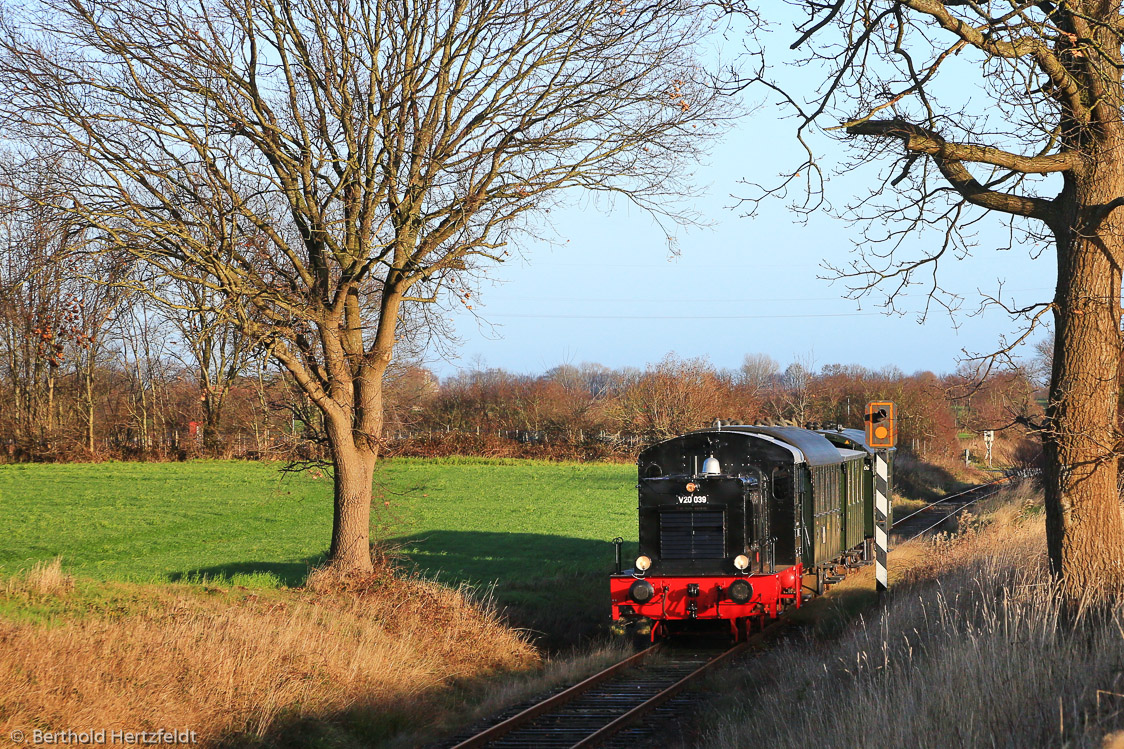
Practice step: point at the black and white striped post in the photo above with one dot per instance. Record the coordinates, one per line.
(881, 521)
(881, 434)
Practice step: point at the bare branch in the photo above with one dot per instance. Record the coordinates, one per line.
(950, 157)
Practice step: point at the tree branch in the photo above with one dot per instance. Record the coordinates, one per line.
(949, 158)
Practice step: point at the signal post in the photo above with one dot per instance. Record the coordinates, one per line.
(881, 435)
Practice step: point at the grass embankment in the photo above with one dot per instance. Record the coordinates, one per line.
(337, 663)
(185, 605)
(918, 482)
(973, 648)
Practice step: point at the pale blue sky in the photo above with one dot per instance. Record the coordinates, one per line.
(609, 292)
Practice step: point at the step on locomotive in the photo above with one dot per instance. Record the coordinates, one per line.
(736, 521)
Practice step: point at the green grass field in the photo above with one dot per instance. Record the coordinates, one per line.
(472, 520)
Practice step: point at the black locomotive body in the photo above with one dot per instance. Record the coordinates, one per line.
(731, 519)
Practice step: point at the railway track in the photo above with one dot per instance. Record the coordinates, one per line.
(935, 514)
(607, 708)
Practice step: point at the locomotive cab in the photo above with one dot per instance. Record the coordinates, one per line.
(703, 523)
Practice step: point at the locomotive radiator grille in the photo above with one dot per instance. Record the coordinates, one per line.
(697, 534)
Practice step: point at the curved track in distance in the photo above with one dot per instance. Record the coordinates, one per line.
(935, 514)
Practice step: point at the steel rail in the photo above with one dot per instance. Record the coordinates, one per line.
(534, 711)
(956, 512)
(952, 496)
(621, 722)
(638, 712)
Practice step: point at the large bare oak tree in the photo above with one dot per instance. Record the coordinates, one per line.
(320, 166)
(1012, 107)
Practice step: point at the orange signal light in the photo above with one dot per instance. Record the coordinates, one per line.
(881, 424)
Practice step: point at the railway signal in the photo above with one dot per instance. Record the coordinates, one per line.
(881, 434)
(881, 425)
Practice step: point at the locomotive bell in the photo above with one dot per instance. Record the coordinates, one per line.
(711, 465)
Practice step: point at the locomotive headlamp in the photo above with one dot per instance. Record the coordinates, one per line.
(692, 486)
(642, 591)
(741, 561)
(643, 563)
(740, 591)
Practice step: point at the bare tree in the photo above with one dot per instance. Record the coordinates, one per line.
(144, 337)
(36, 305)
(1039, 140)
(96, 293)
(215, 351)
(321, 165)
(795, 399)
(672, 397)
(758, 374)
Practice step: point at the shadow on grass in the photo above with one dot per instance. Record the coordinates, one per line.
(260, 574)
(477, 557)
(555, 587)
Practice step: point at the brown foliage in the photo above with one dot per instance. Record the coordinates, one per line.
(673, 397)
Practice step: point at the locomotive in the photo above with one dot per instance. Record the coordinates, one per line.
(733, 519)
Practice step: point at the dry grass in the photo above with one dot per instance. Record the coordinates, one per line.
(975, 649)
(43, 579)
(342, 662)
(557, 673)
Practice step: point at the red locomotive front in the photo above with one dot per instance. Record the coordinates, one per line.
(735, 599)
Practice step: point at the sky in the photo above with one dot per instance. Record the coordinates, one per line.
(607, 289)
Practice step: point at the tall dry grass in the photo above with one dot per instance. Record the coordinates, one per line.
(975, 650)
(348, 658)
(43, 579)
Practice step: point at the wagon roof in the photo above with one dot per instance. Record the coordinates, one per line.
(815, 448)
(857, 438)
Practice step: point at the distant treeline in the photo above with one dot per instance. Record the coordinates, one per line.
(90, 374)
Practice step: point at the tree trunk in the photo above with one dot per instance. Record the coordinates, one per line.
(1084, 529)
(351, 522)
(213, 443)
(50, 408)
(89, 386)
